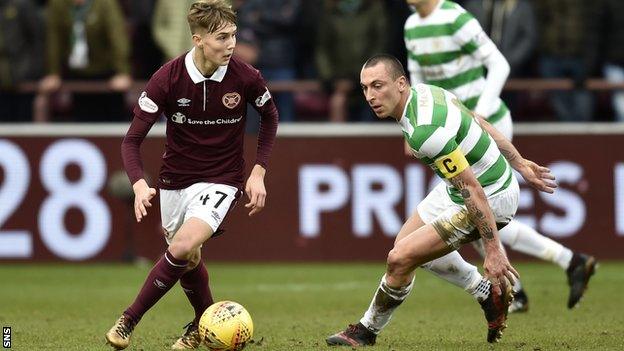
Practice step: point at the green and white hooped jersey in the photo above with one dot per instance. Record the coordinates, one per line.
(447, 49)
(438, 127)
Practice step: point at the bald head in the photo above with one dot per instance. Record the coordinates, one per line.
(384, 85)
(393, 66)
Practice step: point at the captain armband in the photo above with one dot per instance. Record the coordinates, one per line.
(452, 164)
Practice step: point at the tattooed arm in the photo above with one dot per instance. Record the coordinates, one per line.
(478, 208)
(537, 176)
(496, 264)
(504, 145)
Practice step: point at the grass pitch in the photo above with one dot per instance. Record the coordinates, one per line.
(295, 306)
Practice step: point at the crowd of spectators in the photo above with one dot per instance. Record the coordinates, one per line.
(117, 42)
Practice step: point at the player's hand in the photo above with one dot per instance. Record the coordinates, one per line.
(538, 177)
(255, 190)
(142, 196)
(497, 267)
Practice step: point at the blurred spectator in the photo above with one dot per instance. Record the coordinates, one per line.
(398, 11)
(146, 56)
(247, 50)
(568, 49)
(171, 31)
(307, 29)
(274, 22)
(309, 105)
(511, 25)
(170, 28)
(350, 31)
(612, 36)
(87, 40)
(247, 46)
(246, 40)
(21, 45)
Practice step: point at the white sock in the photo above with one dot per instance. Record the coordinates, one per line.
(385, 301)
(520, 237)
(452, 268)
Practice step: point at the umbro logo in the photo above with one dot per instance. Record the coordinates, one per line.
(184, 102)
(160, 285)
(215, 216)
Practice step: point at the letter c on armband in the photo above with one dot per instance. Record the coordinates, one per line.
(452, 164)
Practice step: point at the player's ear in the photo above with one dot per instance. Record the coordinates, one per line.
(402, 83)
(197, 40)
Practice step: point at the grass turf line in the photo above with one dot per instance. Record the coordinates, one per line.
(295, 306)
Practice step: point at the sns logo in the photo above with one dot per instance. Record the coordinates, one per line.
(178, 118)
(6, 337)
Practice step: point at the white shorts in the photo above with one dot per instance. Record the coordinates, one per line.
(207, 201)
(505, 126)
(451, 220)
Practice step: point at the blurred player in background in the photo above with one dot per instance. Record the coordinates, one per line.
(448, 48)
(203, 94)
(479, 194)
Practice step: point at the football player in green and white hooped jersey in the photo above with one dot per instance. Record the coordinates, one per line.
(479, 194)
(448, 48)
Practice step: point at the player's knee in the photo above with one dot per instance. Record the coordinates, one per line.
(398, 262)
(182, 249)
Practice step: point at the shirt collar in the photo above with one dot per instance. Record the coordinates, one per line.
(196, 75)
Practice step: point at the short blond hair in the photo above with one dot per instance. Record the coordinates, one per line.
(210, 15)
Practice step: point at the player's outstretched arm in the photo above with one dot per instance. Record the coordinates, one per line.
(496, 264)
(537, 176)
(131, 156)
(255, 190)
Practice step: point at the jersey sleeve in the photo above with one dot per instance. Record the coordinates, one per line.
(471, 37)
(259, 96)
(147, 110)
(151, 102)
(131, 149)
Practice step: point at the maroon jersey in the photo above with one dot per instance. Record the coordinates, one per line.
(205, 122)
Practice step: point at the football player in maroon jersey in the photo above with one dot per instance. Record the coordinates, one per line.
(203, 94)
